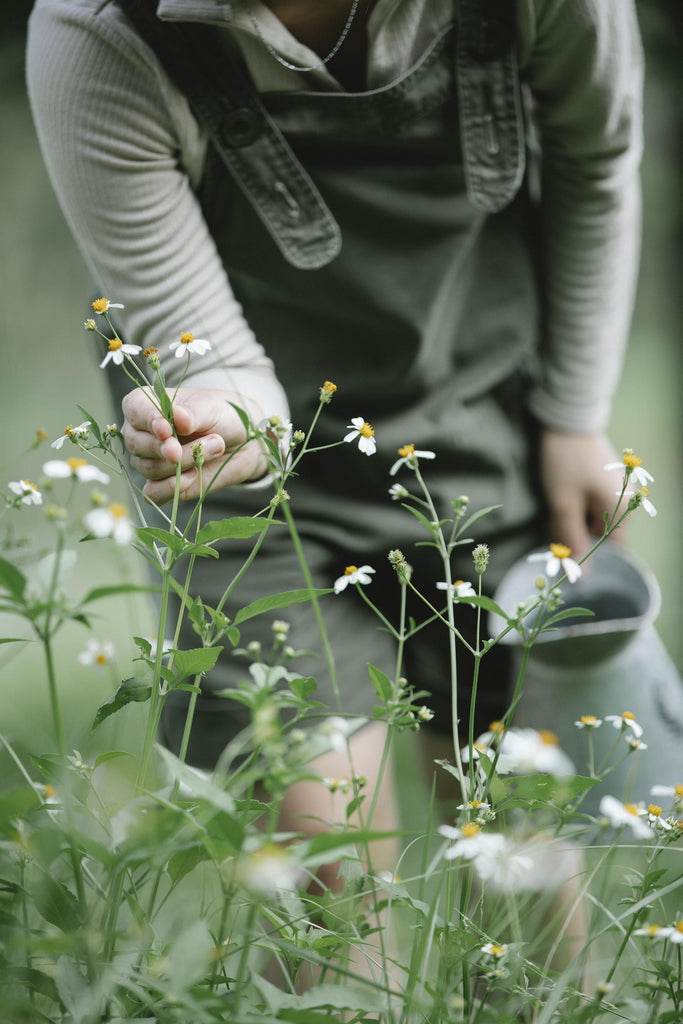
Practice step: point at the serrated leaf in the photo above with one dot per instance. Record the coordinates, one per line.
(12, 579)
(283, 600)
(381, 682)
(131, 690)
(238, 527)
(303, 686)
(194, 662)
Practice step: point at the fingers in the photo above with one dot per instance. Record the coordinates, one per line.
(224, 471)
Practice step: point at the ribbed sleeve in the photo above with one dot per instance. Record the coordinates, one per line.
(121, 147)
(585, 72)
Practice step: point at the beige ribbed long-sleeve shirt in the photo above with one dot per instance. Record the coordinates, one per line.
(125, 155)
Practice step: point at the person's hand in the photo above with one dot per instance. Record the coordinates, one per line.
(199, 415)
(577, 488)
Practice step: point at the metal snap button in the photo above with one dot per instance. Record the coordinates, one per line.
(241, 126)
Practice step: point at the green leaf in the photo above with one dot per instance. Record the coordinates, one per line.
(548, 789)
(477, 515)
(132, 689)
(567, 613)
(303, 686)
(147, 535)
(97, 593)
(283, 600)
(57, 904)
(383, 685)
(239, 527)
(244, 418)
(194, 662)
(13, 640)
(12, 579)
(487, 603)
(183, 862)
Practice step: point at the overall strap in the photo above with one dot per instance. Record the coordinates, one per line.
(246, 138)
(490, 102)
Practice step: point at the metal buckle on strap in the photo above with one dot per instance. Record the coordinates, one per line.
(248, 141)
(490, 104)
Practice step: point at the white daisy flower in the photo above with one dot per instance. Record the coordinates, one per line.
(360, 430)
(458, 589)
(424, 714)
(102, 306)
(588, 722)
(626, 720)
(640, 499)
(336, 785)
(337, 730)
(494, 949)
(409, 457)
(635, 744)
(58, 469)
(653, 813)
(30, 495)
(97, 653)
(558, 557)
(188, 343)
(353, 574)
(118, 350)
(494, 857)
(632, 465)
(673, 934)
(111, 521)
(675, 792)
(71, 433)
(618, 814)
(269, 870)
(525, 751)
(651, 931)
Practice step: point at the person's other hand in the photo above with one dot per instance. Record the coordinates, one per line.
(199, 415)
(577, 488)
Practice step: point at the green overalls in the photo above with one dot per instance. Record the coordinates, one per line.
(378, 240)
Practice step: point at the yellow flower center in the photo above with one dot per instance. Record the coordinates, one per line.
(150, 352)
(68, 430)
(329, 387)
(654, 810)
(474, 803)
(652, 929)
(628, 716)
(496, 727)
(679, 791)
(186, 337)
(118, 511)
(548, 738)
(50, 791)
(100, 305)
(76, 464)
(644, 491)
(406, 451)
(41, 434)
(632, 809)
(588, 719)
(679, 926)
(27, 483)
(101, 658)
(630, 459)
(497, 950)
(350, 569)
(114, 344)
(367, 431)
(459, 583)
(470, 830)
(560, 551)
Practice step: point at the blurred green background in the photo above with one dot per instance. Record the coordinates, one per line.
(47, 370)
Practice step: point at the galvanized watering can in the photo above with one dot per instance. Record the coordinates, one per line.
(605, 665)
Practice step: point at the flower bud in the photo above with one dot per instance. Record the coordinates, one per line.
(198, 454)
(480, 556)
(403, 570)
(327, 391)
(90, 325)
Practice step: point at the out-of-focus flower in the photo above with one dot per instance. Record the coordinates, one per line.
(526, 751)
(495, 858)
(29, 493)
(353, 574)
(626, 720)
(675, 792)
(409, 457)
(673, 934)
(188, 343)
(618, 814)
(326, 391)
(58, 469)
(269, 870)
(111, 521)
(398, 492)
(558, 557)
(360, 430)
(640, 498)
(97, 653)
(588, 722)
(632, 466)
(494, 949)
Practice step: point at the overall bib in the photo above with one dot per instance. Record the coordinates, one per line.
(426, 319)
